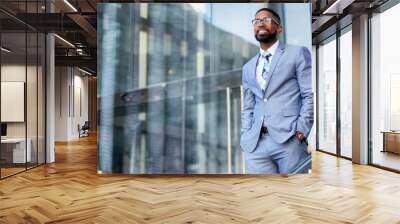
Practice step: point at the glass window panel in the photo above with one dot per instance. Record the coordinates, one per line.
(312, 137)
(385, 89)
(346, 94)
(327, 96)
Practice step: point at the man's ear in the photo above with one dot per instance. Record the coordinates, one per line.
(280, 29)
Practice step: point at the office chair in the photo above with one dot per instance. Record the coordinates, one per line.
(84, 130)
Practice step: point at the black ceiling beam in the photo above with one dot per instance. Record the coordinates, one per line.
(49, 22)
(8, 24)
(82, 61)
(86, 26)
(91, 5)
(87, 51)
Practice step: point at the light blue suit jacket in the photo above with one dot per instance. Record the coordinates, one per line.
(287, 104)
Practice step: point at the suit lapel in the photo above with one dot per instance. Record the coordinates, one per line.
(253, 77)
(274, 62)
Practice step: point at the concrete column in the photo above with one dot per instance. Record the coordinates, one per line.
(50, 92)
(360, 90)
(50, 99)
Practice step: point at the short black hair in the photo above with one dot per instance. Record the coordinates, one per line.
(276, 15)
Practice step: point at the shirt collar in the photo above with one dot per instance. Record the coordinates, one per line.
(270, 50)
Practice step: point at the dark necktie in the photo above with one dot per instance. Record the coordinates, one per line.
(266, 68)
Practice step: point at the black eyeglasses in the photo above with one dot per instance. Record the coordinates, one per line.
(265, 20)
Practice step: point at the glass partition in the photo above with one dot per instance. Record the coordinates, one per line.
(41, 106)
(22, 90)
(31, 98)
(14, 146)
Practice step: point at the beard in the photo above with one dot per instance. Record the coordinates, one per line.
(266, 38)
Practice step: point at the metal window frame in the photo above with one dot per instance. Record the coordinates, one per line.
(334, 37)
(379, 10)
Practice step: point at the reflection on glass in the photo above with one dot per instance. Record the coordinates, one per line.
(346, 94)
(169, 85)
(385, 84)
(327, 97)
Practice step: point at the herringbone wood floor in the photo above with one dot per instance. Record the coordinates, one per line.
(70, 191)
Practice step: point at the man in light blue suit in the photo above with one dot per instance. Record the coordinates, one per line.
(278, 110)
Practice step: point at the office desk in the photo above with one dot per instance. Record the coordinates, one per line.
(391, 141)
(13, 150)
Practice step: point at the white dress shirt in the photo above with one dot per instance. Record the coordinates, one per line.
(261, 61)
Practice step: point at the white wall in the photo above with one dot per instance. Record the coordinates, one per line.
(79, 115)
(61, 103)
(33, 126)
(71, 94)
(12, 73)
(16, 73)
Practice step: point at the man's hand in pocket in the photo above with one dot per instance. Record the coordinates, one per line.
(299, 136)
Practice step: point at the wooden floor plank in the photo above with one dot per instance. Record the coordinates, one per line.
(70, 191)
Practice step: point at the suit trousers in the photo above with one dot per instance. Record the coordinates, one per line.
(271, 157)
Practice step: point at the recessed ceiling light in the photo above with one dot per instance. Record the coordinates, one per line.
(337, 7)
(5, 50)
(64, 40)
(70, 5)
(84, 71)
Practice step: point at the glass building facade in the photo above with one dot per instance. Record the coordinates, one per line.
(170, 83)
